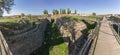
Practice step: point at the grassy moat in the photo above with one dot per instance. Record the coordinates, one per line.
(53, 43)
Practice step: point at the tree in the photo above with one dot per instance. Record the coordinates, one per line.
(5, 5)
(55, 12)
(75, 11)
(29, 16)
(45, 12)
(68, 11)
(63, 11)
(94, 14)
(22, 14)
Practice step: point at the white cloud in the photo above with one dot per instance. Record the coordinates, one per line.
(11, 13)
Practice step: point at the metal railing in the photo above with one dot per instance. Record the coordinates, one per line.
(115, 33)
(95, 38)
(89, 46)
(4, 46)
(116, 21)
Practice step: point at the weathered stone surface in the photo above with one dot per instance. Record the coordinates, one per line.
(68, 27)
(29, 26)
(25, 43)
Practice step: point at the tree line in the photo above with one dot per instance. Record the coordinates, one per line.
(61, 11)
(5, 5)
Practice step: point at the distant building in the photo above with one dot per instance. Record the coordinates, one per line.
(16, 16)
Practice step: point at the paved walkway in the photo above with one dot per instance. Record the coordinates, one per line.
(0, 52)
(107, 43)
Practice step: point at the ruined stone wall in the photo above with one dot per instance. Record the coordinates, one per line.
(25, 43)
(67, 28)
(72, 33)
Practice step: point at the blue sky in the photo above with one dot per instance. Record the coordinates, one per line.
(36, 7)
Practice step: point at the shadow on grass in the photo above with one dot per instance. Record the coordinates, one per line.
(52, 38)
(116, 28)
(83, 38)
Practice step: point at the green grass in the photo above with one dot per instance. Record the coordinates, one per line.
(10, 25)
(9, 19)
(59, 50)
(79, 18)
(8, 22)
(32, 19)
(72, 18)
(92, 18)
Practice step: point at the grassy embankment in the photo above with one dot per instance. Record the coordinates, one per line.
(9, 24)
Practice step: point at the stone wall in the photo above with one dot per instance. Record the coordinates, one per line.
(29, 26)
(25, 43)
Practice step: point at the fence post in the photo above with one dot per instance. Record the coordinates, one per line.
(4, 46)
